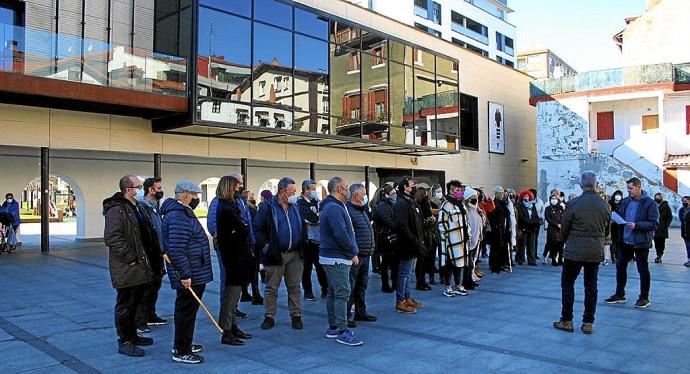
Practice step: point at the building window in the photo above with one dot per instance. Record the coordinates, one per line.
(435, 13)
(605, 126)
(351, 105)
(353, 62)
(469, 122)
(427, 30)
(279, 84)
(216, 106)
(286, 83)
(504, 44)
(417, 53)
(262, 88)
(521, 63)
(454, 69)
(470, 47)
(242, 116)
(324, 105)
(377, 58)
(650, 123)
(468, 27)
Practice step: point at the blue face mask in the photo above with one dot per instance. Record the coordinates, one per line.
(365, 200)
(314, 195)
(140, 194)
(393, 198)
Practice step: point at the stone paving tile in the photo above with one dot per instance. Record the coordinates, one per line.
(65, 300)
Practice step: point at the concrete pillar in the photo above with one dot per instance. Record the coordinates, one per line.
(45, 199)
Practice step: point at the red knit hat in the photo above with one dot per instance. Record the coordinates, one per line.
(524, 193)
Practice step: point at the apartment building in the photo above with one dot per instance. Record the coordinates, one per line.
(543, 63)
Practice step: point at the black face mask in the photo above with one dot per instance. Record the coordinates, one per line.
(240, 190)
(685, 205)
(158, 195)
(658, 201)
(473, 201)
(194, 203)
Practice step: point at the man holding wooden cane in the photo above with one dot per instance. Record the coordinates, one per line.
(186, 245)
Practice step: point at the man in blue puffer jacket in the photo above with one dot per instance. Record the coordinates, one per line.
(642, 216)
(186, 244)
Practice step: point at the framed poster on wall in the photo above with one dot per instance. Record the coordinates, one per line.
(497, 129)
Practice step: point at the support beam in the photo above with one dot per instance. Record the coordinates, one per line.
(243, 170)
(156, 165)
(412, 173)
(45, 200)
(367, 178)
(312, 171)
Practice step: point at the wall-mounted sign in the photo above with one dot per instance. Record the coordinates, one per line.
(497, 129)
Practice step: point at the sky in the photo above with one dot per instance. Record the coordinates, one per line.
(579, 31)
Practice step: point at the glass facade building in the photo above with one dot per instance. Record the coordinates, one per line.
(279, 67)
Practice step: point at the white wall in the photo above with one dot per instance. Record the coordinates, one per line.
(627, 122)
(674, 127)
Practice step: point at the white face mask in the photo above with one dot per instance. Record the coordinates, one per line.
(292, 199)
(438, 195)
(554, 201)
(618, 198)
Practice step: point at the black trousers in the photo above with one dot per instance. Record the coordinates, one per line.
(571, 270)
(185, 318)
(126, 304)
(625, 254)
(498, 257)
(449, 274)
(311, 259)
(420, 269)
(146, 311)
(389, 270)
(555, 250)
(660, 246)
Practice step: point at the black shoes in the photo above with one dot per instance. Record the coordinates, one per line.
(246, 297)
(157, 321)
(141, 340)
(129, 349)
(309, 296)
(239, 333)
(240, 315)
(423, 287)
(297, 323)
(387, 289)
(187, 359)
(230, 339)
(642, 303)
(351, 323)
(268, 323)
(257, 299)
(143, 328)
(615, 299)
(657, 260)
(365, 318)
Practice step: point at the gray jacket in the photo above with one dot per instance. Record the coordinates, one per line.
(585, 225)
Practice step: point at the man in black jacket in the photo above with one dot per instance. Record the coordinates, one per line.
(127, 234)
(359, 274)
(665, 219)
(308, 204)
(408, 221)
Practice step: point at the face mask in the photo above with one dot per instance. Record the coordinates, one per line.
(458, 195)
(365, 200)
(393, 198)
(314, 195)
(292, 199)
(512, 198)
(10, 200)
(347, 194)
(438, 195)
(525, 200)
(140, 194)
(658, 201)
(554, 201)
(473, 202)
(194, 203)
(685, 205)
(253, 202)
(158, 195)
(618, 198)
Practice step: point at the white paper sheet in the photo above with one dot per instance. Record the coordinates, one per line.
(617, 218)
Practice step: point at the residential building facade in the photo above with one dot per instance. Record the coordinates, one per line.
(543, 63)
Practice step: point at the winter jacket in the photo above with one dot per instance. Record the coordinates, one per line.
(186, 244)
(665, 219)
(585, 226)
(234, 246)
(527, 221)
(646, 221)
(408, 223)
(455, 233)
(13, 209)
(211, 217)
(384, 226)
(684, 217)
(277, 231)
(553, 215)
(127, 257)
(364, 234)
(336, 231)
(615, 228)
(154, 251)
(499, 221)
(308, 209)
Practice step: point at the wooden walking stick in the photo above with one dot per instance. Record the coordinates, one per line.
(198, 300)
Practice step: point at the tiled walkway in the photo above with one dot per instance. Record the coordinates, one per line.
(56, 316)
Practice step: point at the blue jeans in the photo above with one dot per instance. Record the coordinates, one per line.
(338, 294)
(359, 278)
(403, 291)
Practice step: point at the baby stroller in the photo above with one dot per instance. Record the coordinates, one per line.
(8, 241)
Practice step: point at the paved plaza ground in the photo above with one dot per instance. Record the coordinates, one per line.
(56, 316)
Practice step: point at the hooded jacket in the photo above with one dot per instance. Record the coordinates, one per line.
(155, 252)
(384, 226)
(646, 220)
(336, 231)
(13, 209)
(665, 219)
(128, 261)
(186, 244)
(408, 222)
(361, 223)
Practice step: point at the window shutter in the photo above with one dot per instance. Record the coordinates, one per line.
(372, 106)
(346, 107)
(605, 126)
(687, 120)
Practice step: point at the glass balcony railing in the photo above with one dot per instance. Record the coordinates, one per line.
(422, 12)
(629, 76)
(45, 54)
(460, 29)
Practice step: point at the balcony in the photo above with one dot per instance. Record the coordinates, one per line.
(460, 29)
(72, 69)
(421, 12)
(678, 74)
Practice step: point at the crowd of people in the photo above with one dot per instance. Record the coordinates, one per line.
(405, 230)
